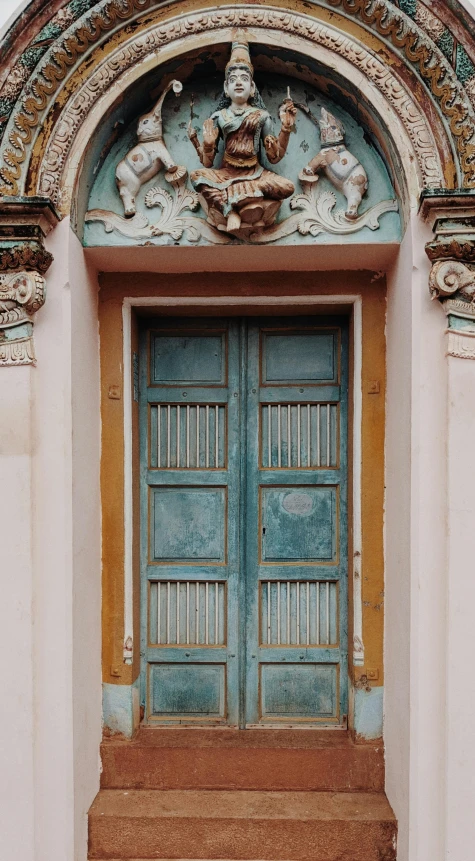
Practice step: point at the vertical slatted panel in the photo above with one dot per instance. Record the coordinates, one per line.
(187, 613)
(187, 437)
(296, 613)
(302, 436)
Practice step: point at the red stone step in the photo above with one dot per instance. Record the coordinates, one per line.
(293, 760)
(271, 826)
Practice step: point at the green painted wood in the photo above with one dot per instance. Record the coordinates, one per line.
(244, 520)
(297, 550)
(190, 473)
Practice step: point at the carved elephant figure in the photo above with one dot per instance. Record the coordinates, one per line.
(148, 157)
(342, 168)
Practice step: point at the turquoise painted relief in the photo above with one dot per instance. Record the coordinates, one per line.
(153, 189)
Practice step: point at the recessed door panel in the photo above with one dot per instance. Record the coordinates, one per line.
(298, 524)
(299, 357)
(188, 524)
(182, 690)
(299, 691)
(188, 359)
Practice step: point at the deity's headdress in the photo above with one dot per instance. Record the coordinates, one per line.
(240, 58)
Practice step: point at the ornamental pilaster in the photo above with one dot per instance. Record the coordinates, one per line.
(452, 254)
(24, 260)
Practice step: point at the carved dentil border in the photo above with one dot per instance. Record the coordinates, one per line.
(378, 15)
(460, 344)
(64, 133)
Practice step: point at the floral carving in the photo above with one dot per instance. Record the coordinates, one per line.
(14, 81)
(25, 256)
(315, 214)
(452, 249)
(426, 19)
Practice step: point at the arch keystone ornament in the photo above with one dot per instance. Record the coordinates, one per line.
(24, 222)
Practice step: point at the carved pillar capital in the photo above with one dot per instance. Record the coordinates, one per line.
(452, 254)
(24, 222)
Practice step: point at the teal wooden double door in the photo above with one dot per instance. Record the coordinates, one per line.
(244, 520)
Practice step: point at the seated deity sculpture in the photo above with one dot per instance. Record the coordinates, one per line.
(242, 194)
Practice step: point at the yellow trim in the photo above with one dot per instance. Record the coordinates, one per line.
(114, 288)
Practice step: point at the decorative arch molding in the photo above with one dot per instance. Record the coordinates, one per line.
(413, 61)
(394, 104)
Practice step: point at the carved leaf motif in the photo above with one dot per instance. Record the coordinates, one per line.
(317, 215)
(320, 214)
(172, 207)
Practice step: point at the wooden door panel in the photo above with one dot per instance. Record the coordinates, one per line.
(190, 511)
(299, 357)
(298, 524)
(190, 359)
(197, 691)
(299, 692)
(188, 525)
(296, 530)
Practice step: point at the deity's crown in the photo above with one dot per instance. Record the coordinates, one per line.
(240, 56)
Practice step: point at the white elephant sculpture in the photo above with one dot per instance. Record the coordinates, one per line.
(149, 155)
(342, 168)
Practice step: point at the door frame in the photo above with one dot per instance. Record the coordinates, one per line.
(352, 303)
(245, 478)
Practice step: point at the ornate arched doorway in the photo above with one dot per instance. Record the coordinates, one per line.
(256, 392)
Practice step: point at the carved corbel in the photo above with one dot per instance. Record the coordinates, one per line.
(24, 222)
(452, 254)
(21, 295)
(450, 277)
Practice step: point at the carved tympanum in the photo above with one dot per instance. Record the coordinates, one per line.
(334, 160)
(241, 197)
(148, 157)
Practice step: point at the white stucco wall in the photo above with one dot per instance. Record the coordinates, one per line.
(50, 703)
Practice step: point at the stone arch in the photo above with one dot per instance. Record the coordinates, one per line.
(414, 140)
(411, 73)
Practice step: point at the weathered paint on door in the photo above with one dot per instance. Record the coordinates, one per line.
(244, 514)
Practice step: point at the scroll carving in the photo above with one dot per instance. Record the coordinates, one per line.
(449, 277)
(21, 295)
(24, 260)
(313, 213)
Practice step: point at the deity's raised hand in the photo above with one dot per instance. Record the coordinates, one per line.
(210, 132)
(287, 114)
